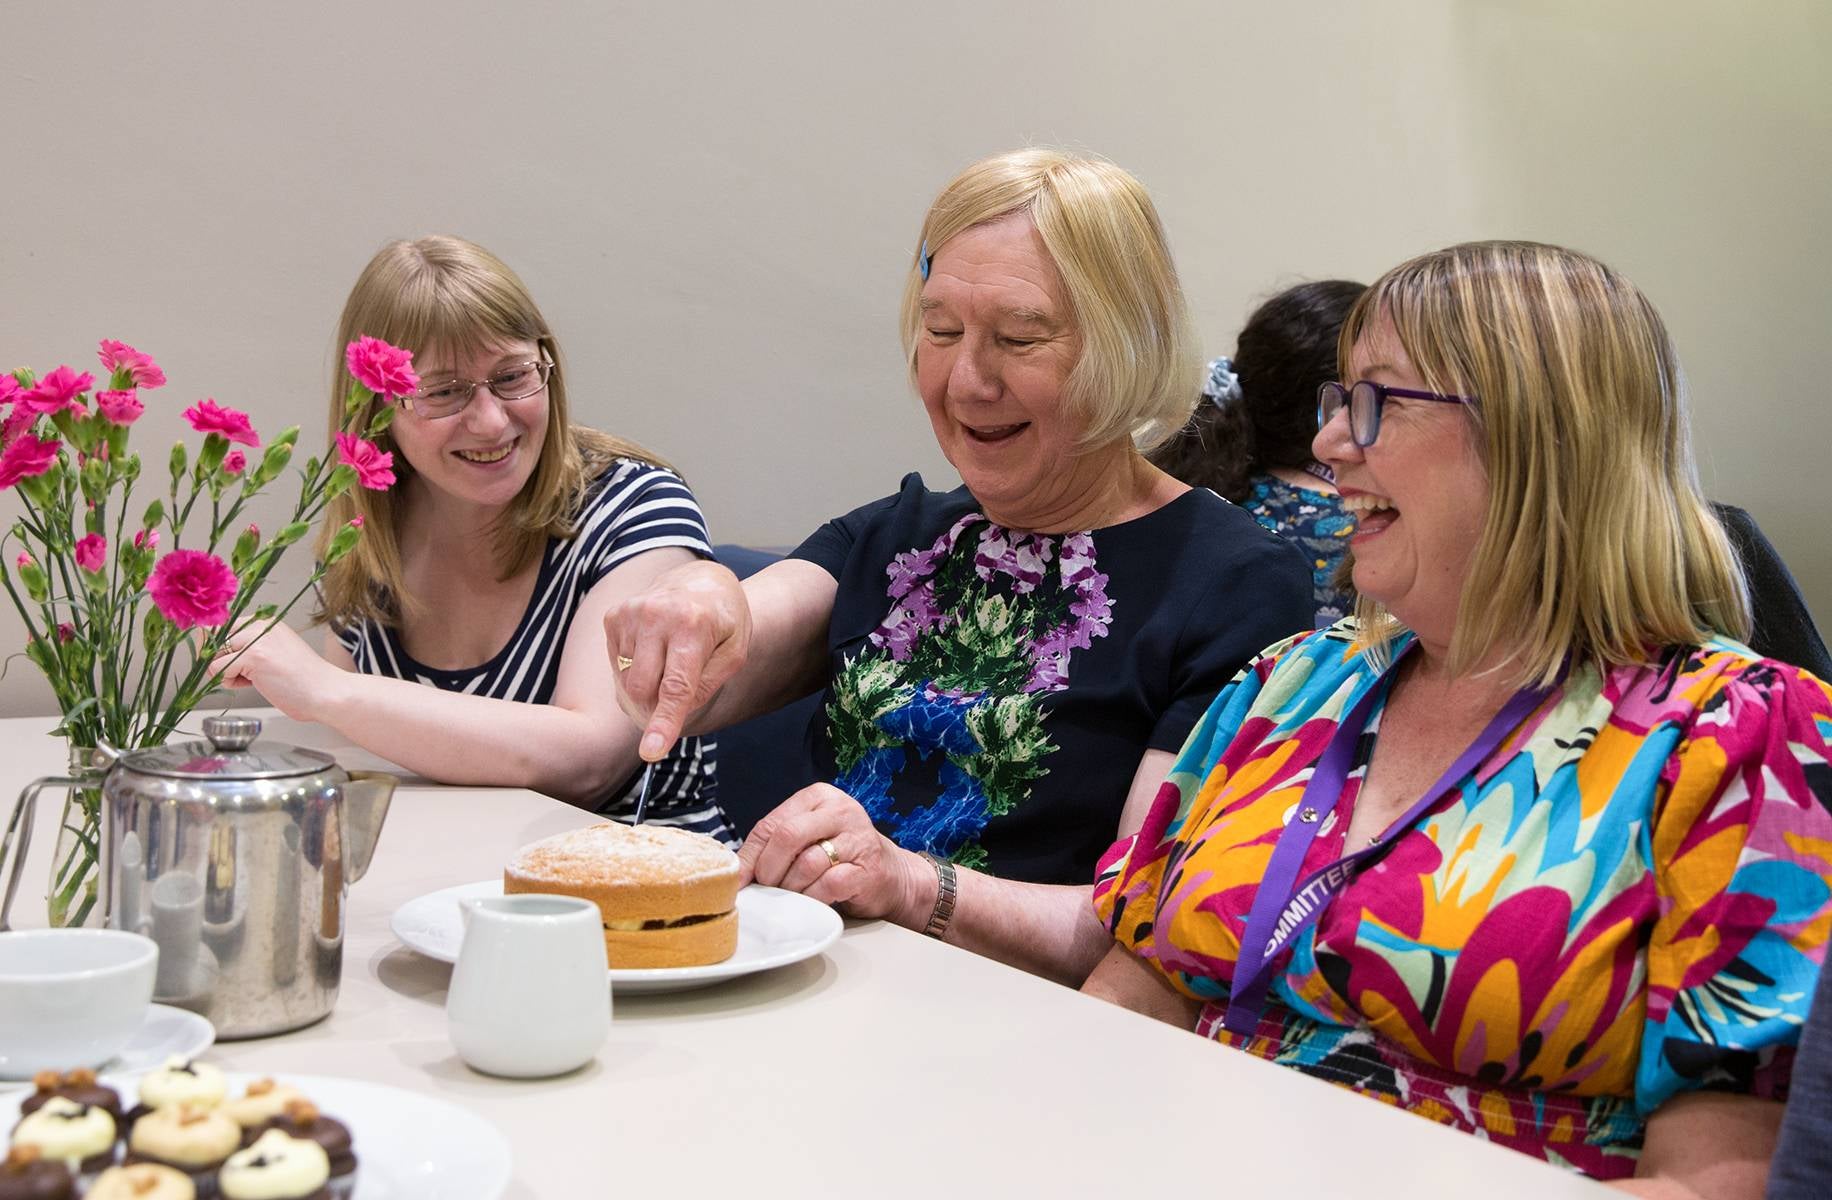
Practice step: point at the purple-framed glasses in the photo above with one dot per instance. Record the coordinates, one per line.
(1364, 400)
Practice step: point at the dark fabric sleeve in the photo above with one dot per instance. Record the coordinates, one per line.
(1803, 1159)
(831, 545)
(1784, 628)
(1260, 596)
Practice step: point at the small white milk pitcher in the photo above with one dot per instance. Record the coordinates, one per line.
(530, 996)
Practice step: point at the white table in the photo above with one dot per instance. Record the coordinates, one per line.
(891, 1066)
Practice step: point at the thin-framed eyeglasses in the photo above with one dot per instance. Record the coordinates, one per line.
(447, 397)
(1365, 399)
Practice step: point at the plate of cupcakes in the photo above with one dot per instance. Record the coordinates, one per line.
(190, 1131)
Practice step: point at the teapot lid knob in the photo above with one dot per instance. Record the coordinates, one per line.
(231, 733)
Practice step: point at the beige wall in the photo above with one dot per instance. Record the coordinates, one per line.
(715, 202)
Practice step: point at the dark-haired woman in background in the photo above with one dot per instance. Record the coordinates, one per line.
(1251, 442)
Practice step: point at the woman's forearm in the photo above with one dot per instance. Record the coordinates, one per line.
(1046, 929)
(453, 738)
(791, 603)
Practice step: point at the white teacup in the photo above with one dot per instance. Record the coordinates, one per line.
(71, 997)
(530, 995)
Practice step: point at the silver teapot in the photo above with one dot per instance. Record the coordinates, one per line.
(235, 858)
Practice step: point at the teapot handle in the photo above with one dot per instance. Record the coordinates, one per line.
(20, 825)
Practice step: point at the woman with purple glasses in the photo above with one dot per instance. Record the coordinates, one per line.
(1529, 846)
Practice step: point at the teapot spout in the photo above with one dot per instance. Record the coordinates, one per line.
(365, 807)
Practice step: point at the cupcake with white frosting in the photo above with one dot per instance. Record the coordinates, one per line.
(187, 1138)
(261, 1103)
(183, 1081)
(81, 1136)
(276, 1167)
(142, 1181)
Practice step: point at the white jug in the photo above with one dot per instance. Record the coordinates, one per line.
(530, 995)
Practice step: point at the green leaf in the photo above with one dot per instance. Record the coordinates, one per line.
(76, 710)
(155, 513)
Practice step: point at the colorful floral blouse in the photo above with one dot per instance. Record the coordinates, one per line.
(1629, 899)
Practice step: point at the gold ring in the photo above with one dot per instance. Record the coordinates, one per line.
(625, 662)
(833, 856)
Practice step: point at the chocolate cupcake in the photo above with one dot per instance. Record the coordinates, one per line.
(303, 1120)
(81, 1136)
(276, 1167)
(78, 1085)
(186, 1138)
(142, 1181)
(28, 1175)
(260, 1104)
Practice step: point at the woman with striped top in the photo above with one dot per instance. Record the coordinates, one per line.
(464, 635)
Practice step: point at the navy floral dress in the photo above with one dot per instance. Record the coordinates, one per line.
(991, 691)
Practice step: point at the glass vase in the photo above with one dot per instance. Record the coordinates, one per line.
(73, 899)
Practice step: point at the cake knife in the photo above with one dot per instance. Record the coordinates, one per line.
(642, 797)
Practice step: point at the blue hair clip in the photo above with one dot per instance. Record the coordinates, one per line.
(922, 263)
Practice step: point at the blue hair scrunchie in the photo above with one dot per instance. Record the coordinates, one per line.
(1223, 386)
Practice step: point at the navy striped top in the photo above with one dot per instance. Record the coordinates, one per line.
(630, 508)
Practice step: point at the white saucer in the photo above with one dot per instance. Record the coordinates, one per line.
(166, 1033)
(775, 928)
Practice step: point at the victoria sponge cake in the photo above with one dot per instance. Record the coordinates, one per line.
(667, 896)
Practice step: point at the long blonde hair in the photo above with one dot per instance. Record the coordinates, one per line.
(1598, 543)
(1138, 370)
(439, 294)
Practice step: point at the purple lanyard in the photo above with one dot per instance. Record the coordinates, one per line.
(1281, 912)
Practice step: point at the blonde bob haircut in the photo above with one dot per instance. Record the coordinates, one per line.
(1597, 542)
(1137, 374)
(444, 295)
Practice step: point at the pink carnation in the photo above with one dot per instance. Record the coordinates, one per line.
(383, 369)
(16, 423)
(55, 391)
(23, 561)
(192, 588)
(140, 367)
(65, 631)
(29, 455)
(146, 539)
(234, 463)
(9, 388)
(356, 522)
(123, 408)
(207, 416)
(374, 466)
(92, 552)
